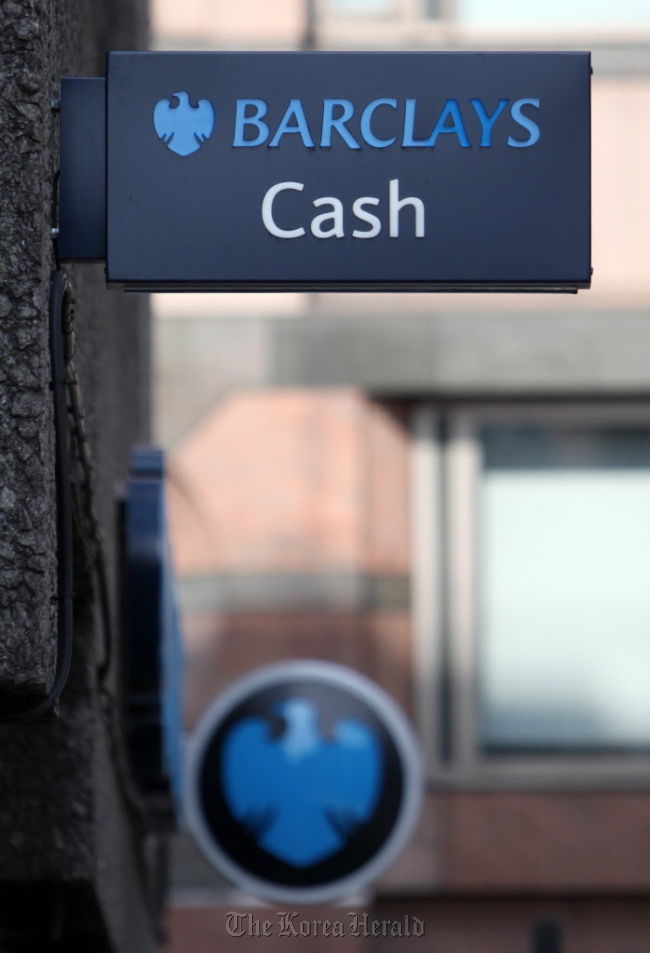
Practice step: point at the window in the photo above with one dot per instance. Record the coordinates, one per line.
(511, 13)
(362, 7)
(532, 591)
(409, 10)
(433, 9)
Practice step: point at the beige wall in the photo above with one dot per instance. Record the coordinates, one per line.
(211, 24)
(292, 480)
(621, 183)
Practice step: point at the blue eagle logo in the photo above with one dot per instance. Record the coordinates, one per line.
(301, 796)
(183, 128)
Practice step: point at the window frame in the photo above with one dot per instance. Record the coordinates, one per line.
(407, 16)
(444, 482)
(328, 10)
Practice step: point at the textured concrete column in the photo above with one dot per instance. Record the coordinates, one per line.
(75, 858)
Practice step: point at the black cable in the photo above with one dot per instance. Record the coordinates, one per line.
(13, 712)
(54, 217)
(89, 526)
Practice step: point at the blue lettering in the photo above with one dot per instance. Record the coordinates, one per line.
(255, 119)
(525, 122)
(366, 118)
(487, 121)
(409, 125)
(451, 109)
(338, 123)
(251, 129)
(294, 111)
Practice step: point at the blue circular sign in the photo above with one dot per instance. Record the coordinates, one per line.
(304, 782)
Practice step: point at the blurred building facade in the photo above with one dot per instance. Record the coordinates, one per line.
(452, 495)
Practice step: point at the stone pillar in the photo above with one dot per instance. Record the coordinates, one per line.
(77, 863)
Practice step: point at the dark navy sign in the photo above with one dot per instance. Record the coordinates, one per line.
(421, 171)
(304, 782)
(152, 650)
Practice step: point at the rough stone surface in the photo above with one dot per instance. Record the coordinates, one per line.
(27, 552)
(69, 847)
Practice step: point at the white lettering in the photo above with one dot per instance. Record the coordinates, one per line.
(267, 211)
(335, 216)
(330, 223)
(365, 216)
(395, 206)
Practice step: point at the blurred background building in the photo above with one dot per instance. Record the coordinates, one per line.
(450, 494)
